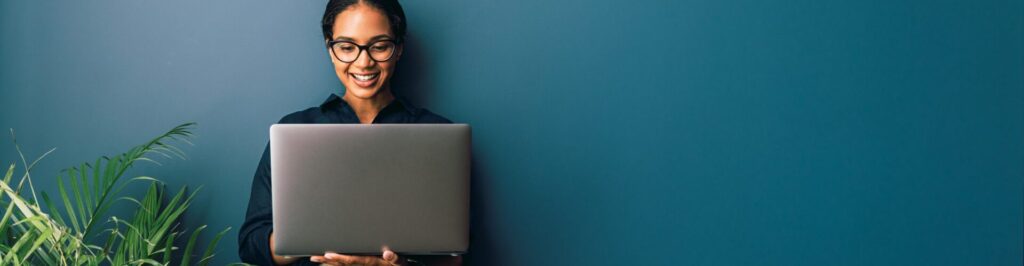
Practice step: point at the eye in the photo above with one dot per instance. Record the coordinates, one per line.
(381, 47)
(345, 47)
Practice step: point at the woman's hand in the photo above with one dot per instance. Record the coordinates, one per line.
(389, 258)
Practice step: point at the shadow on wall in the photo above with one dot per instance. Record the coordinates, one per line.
(412, 75)
(481, 246)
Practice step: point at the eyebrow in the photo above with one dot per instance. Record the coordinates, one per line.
(378, 37)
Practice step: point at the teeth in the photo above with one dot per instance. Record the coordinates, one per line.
(364, 77)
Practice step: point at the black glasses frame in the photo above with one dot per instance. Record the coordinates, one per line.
(330, 45)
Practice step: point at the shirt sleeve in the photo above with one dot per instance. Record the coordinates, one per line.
(254, 236)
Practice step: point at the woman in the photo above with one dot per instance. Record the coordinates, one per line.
(364, 40)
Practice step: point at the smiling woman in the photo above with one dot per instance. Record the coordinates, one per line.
(379, 26)
(364, 42)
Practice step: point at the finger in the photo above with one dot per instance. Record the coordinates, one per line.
(325, 261)
(332, 258)
(389, 256)
(337, 258)
(347, 259)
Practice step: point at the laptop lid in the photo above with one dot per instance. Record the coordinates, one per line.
(354, 189)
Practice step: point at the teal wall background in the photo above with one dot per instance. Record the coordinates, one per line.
(606, 132)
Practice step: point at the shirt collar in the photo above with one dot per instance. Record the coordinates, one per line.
(400, 103)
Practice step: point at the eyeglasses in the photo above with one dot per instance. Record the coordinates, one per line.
(348, 52)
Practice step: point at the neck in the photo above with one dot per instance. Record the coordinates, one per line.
(368, 108)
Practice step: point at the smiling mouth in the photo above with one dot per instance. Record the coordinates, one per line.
(361, 77)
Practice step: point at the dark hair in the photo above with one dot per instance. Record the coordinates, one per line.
(392, 9)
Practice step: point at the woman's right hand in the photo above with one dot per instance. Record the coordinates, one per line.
(388, 258)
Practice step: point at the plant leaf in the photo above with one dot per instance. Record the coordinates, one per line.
(208, 254)
(191, 245)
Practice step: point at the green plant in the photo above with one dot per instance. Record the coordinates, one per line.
(77, 231)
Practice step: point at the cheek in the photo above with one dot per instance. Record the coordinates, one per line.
(387, 68)
(341, 69)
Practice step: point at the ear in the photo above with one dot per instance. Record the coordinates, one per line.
(330, 52)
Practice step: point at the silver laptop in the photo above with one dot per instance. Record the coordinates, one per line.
(354, 189)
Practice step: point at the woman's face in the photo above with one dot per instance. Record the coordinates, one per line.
(363, 78)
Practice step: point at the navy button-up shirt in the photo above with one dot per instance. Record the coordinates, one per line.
(254, 237)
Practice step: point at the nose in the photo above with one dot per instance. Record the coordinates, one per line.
(363, 60)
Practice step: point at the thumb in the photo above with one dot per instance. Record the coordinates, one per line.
(390, 256)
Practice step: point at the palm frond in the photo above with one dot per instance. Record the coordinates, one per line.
(31, 234)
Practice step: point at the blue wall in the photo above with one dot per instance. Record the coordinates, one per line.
(667, 132)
